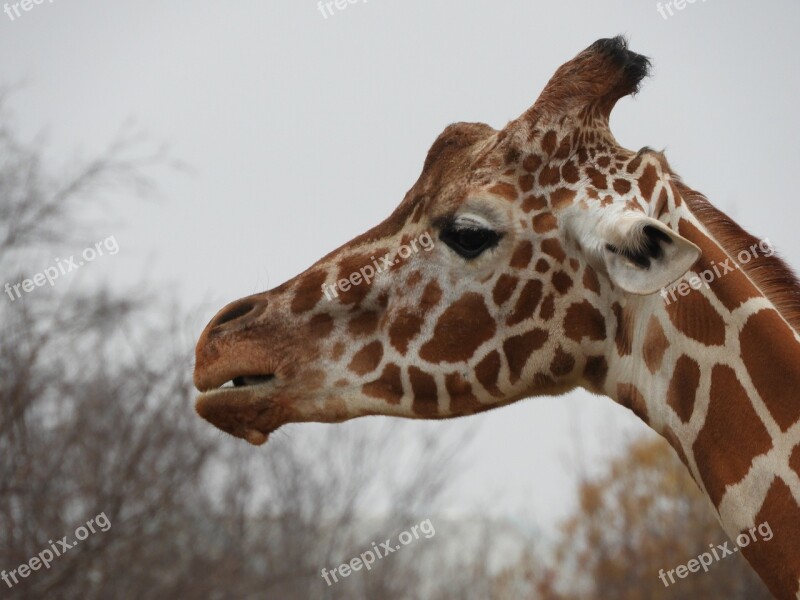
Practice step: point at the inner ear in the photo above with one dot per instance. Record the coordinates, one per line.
(647, 256)
(647, 248)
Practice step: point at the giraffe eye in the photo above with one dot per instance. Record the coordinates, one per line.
(469, 241)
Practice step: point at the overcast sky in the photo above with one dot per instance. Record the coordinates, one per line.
(303, 131)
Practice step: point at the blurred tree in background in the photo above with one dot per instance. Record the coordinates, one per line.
(642, 515)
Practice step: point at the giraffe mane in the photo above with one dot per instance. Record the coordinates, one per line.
(776, 280)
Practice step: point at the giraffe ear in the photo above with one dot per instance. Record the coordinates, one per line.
(644, 255)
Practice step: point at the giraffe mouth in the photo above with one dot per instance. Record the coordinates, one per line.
(245, 407)
(237, 382)
(248, 380)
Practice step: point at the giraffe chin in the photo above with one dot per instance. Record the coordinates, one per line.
(256, 438)
(242, 413)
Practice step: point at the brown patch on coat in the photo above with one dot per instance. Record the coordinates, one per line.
(460, 331)
(594, 372)
(526, 182)
(431, 296)
(321, 325)
(683, 386)
(534, 202)
(364, 323)
(774, 371)
(549, 141)
(519, 348)
(544, 222)
(532, 163)
(794, 460)
(349, 267)
(647, 182)
(504, 288)
(405, 327)
(584, 320)
(590, 281)
(561, 282)
(622, 186)
(655, 345)
(550, 175)
(487, 372)
(522, 255)
(426, 396)
(337, 351)
(562, 364)
(597, 178)
(419, 209)
(562, 197)
(367, 359)
(623, 336)
(388, 387)
(528, 300)
(413, 279)
(504, 190)
(548, 308)
(570, 172)
(308, 291)
(695, 317)
(552, 247)
(732, 436)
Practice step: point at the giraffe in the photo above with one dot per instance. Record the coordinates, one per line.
(553, 245)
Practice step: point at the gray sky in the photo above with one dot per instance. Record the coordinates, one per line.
(303, 131)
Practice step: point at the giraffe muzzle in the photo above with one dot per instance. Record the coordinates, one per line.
(247, 409)
(248, 373)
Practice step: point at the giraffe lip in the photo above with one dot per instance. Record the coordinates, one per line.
(236, 382)
(249, 412)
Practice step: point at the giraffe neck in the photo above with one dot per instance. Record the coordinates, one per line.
(714, 370)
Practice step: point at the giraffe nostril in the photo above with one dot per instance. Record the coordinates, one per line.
(233, 312)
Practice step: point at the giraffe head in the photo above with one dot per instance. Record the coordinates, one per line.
(492, 281)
